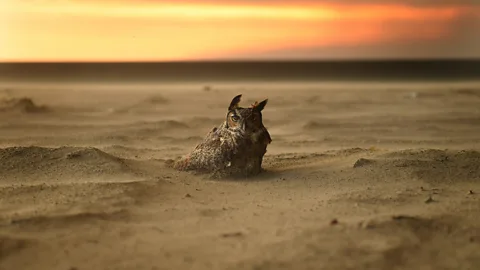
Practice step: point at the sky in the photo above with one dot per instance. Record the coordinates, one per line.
(153, 30)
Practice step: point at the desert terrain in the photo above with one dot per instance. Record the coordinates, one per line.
(358, 176)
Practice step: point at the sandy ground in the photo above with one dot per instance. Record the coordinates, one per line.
(361, 176)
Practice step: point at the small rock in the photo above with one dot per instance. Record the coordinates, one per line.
(368, 225)
(471, 192)
(429, 200)
(188, 195)
(334, 221)
(413, 95)
(234, 234)
(362, 162)
(402, 217)
(207, 88)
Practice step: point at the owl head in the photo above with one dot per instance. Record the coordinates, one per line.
(246, 120)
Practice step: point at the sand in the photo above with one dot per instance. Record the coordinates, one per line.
(358, 176)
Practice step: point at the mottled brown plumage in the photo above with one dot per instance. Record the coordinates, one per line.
(235, 148)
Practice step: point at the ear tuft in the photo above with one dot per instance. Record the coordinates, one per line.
(234, 103)
(260, 106)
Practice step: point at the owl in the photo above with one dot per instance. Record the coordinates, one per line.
(235, 148)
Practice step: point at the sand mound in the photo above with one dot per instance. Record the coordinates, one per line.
(302, 160)
(23, 105)
(156, 100)
(325, 123)
(467, 92)
(22, 163)
(434, 166)
(406, 242)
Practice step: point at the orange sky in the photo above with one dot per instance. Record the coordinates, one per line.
(75, 30)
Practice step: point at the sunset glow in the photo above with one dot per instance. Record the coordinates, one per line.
(56, 30)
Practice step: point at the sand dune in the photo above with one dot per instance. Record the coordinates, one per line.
(431, 165)
(21, 105)
(381, 178)
(54, 163)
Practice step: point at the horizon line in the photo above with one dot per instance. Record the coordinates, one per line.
(420, 59)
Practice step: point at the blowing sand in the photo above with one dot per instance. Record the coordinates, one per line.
(357, 177)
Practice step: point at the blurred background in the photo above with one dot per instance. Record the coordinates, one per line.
(148, 30)
(333, 31)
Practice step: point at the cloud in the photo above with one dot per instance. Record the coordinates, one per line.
(456, 38)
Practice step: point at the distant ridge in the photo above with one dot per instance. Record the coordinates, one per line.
(280, 70)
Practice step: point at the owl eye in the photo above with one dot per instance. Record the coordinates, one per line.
(234, 118)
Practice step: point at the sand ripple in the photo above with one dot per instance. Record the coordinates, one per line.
(431, 165)
(49, 164)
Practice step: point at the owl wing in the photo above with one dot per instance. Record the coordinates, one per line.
(215, 152)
